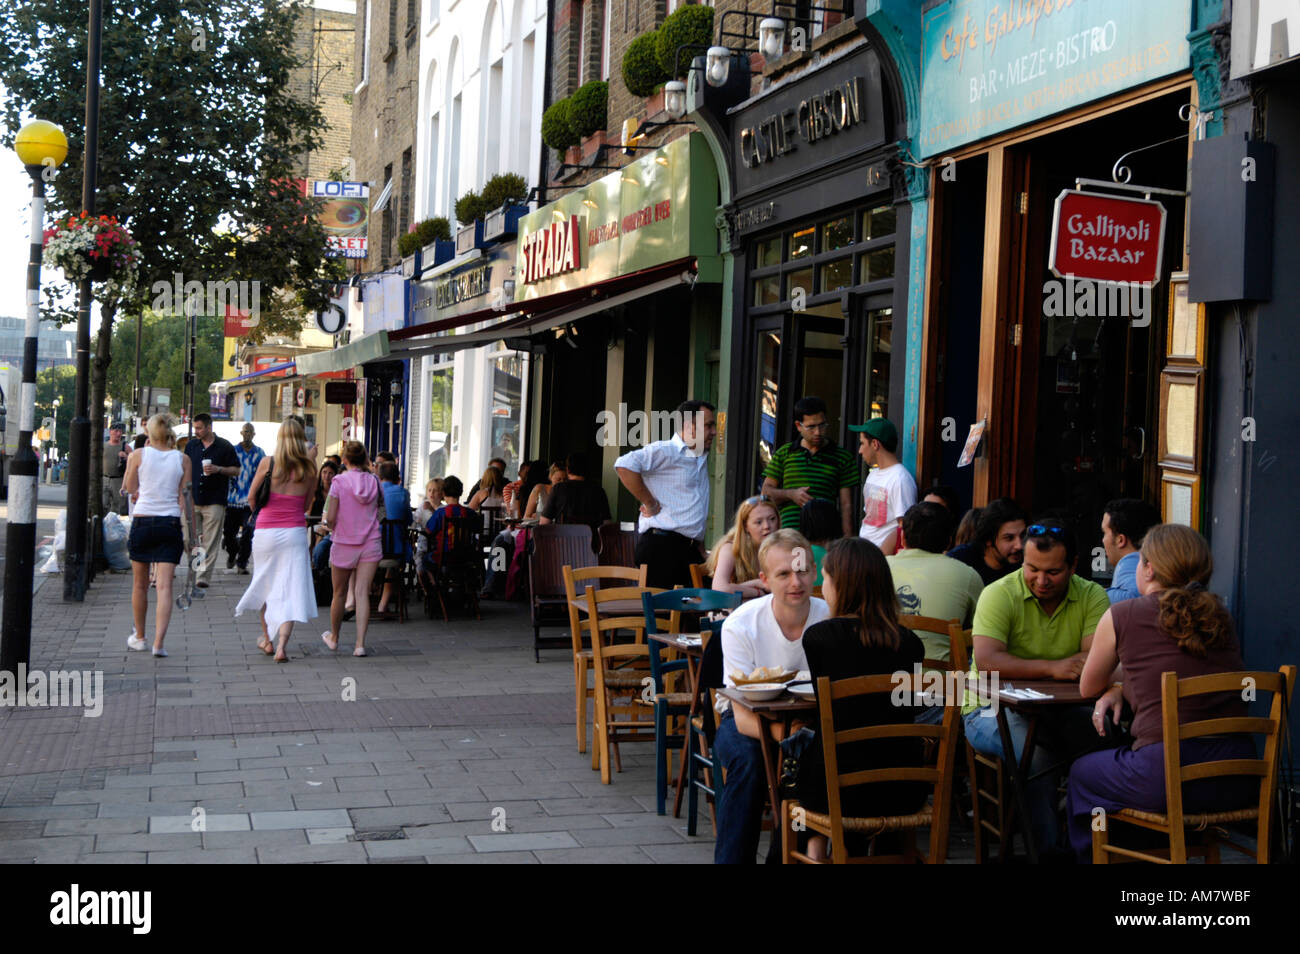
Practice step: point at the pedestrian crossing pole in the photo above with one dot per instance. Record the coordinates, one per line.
(41, 146)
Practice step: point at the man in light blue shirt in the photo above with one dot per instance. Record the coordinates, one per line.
(670, 479)
(1123, 525)
(238, 535)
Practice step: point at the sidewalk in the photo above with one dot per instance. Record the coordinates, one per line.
(452, 726)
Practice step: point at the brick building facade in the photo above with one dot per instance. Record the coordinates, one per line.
(386, 62)
(323, 43)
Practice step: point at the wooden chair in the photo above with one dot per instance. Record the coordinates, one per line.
(395, 561)
(833, 824)
(958, 657)
(459, 575)
(617, 546)
(575, 587)
(702, 773)
(554, 546)
(698, 580)
(672, 705)
(1173, 822)
(623, 680)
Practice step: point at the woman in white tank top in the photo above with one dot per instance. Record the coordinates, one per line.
(156, 477)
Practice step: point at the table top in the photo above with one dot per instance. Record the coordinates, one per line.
(781, 704)
(672, 640)
(613, 607)
(1062, 693)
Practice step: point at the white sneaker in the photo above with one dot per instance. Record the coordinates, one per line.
(160, 652)
(135, 643)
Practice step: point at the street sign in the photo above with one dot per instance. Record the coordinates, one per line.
(1106, 238)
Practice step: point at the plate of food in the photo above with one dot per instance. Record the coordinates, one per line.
(802, 689)
(762, 674)
(762, 691)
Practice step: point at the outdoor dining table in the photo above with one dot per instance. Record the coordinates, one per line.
(782, 710)
(1054, 695)
(693, 650)
(611, 608)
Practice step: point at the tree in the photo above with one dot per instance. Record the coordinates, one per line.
(59, 381)
(199, 129)
(162, 357)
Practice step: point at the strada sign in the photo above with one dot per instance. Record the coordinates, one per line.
(552, 251)
(1106, 238)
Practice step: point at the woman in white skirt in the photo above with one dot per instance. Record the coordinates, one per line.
(281, 588)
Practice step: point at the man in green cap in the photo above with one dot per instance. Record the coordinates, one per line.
(889, 490)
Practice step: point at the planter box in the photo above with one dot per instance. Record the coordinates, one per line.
(469, 237)
(503, 223)
(573, 156)
(654, 104)
(437, 252)
(592, 143)
(411, 264)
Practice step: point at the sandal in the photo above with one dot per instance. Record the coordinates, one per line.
(325, 638)
(360, 651)
(266, 646)
(282, 659)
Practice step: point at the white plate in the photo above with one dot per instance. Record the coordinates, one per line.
(763, 691)
(801, 690)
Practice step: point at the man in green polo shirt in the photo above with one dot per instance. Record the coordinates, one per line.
(1034, 624)
(813, 466)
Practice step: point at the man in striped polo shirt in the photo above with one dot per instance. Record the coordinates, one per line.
(813, 466)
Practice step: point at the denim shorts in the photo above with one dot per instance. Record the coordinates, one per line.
(156, 540)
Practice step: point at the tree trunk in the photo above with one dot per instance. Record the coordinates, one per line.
(98, 387)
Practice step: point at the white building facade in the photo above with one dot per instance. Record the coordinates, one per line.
(482, 83)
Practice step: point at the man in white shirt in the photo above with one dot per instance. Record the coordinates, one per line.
(889, 489)
(767, 631)
(670, 479)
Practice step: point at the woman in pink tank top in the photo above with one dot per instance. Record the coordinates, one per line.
(281, 588)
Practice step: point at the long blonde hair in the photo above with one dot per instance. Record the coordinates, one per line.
(160, 429)
(291, 457)
(744, 551)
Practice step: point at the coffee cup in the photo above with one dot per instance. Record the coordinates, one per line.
(207, 465)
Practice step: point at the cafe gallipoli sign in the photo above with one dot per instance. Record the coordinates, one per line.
(468, 284)
(814, 119)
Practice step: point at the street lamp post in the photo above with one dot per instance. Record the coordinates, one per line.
(40, 146)
(76, 556)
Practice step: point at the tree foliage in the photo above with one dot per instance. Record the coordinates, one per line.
(162, 357)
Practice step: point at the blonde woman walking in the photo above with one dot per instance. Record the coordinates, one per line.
(281, 588)
(156, 477)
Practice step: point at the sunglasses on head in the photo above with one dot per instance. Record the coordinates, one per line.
(1042, 530)
(760, 498)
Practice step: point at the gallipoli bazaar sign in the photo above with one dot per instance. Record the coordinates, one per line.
(1106, 238)
(552, 251)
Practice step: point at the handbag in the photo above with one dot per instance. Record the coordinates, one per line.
(263, 495)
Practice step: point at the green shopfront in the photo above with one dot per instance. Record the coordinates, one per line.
(619, 281)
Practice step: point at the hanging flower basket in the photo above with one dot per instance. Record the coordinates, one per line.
(97, 247)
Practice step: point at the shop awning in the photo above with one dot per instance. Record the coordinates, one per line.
(550, 311)
(226, 383)
(371, 347)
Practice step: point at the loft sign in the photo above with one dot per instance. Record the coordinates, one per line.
(552, 251)
(1107, 238)
(462, 287)
(814, 119)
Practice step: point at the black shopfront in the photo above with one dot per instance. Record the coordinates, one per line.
(820, 239)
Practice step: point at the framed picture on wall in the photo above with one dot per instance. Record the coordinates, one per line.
(1186, 333)
(1180, 499)
(1181, 395)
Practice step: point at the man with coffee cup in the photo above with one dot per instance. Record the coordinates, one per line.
(214, 462)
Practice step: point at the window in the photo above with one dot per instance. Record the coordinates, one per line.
(604, 43)
(453, 154)
(365, 45)
(432, 191)
(386, 233)
(440, 394)
(404, 220)
(392, 25)
(507, 406)
(822, 257)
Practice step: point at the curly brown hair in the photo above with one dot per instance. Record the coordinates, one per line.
(1190, 614)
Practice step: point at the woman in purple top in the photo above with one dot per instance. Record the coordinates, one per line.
(1176, 625)
(352, 513)
(281, 588)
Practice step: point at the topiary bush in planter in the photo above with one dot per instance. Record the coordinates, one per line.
(471, 206)
(693, 24)
(503, 186)
(641, 70)
(424, 233)
(556, 129)
(589, 109)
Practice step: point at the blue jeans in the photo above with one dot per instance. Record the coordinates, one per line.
(740, 800)
(1040, 793)
(320, 554)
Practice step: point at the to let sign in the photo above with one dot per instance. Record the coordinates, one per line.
(1106, 238)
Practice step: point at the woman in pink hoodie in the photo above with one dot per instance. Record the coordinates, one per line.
(352, 512)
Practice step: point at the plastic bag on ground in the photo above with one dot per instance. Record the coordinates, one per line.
(116, 531)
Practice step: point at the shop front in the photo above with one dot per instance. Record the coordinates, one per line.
(819, 232)
(618, 283)
(1057, 140)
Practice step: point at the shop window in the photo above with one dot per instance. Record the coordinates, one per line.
(879, 222)
(801, 243)
(767, 252)
(881, 333)
(876, 265)
(837, 234)
(440, 429)
(800, 279)
(767, 291)
(769, 363)
(507, 402)
(837, 275)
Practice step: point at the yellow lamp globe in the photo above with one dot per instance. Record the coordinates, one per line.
(39, 141)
